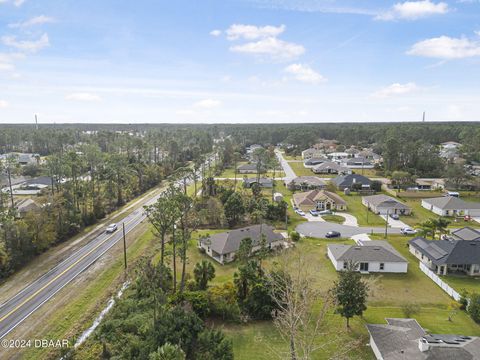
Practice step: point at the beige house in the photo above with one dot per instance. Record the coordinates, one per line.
(319, 200)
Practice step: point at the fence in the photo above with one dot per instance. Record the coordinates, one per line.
(440, 282)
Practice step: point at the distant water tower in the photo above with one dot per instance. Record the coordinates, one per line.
(423, 119)
(36, 122)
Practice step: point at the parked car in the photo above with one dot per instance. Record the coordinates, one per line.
(408, 231)
(314, 212)
(332, 234)
(111, 228)
(300, 212)
(395, 216)
(325, 212)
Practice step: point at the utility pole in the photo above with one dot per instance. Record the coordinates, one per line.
(124, 246)
(386, 225)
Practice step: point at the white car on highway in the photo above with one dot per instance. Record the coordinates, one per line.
(111, 228)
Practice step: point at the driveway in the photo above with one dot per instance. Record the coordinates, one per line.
(394, 223)
(287, 169)
(318, 229)
(350, 220)
(477, 219)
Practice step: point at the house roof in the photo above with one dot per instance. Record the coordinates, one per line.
(380, 251)
(348, 180)
(229, 241)
(448, 251)
(451, 203)
(357, 160)
(399, 340)
(250, 166)
(26, 205)
(382, 200)
(311, 197)
(330, 165)
(262, 181)
(466, 233)
(308, 180)
(315, 160)
(41, 180)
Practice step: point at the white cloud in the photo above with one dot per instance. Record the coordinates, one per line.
(82, 96)
(216, 32)
(26, 45)
(37, 20)
(445, 47)
(208, 103)
(305, 74)
(7, 61)
(412, 10)
(396, 89)
(18, 2)
(252, 32)
(3, 104)
(271, 47)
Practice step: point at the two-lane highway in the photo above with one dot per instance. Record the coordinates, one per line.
(32, 297)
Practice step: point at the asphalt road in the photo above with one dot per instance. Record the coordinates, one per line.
(318, 229)
(33, 296)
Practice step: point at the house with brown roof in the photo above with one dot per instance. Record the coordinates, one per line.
(319, 200)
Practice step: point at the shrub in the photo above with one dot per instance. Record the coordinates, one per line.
(473, 308)
(410, 309)
(295, 236)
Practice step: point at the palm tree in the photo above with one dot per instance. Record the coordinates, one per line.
(203, 272)
(428, 228)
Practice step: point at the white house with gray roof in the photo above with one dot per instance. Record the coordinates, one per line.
(382, 204)
(222, 247)
(369, 256)
(451, 206)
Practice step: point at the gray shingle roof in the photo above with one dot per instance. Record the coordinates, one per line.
(308, 180)
(399, 339)
(229, 241)
(451, 203)
(348, 180)
(466, 233)
(448, 251)
(382, 200)
(247, 167)
(379, 251)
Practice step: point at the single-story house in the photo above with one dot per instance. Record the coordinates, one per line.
(358, 163)
(330, 167)
(263, 182)
(369, 256)
(451, 206)
(306, 183)
(25, 206)
(343, 182)
(250, 168)
(448, 256)
(26, 159)
(311, 153)
(337, 156)
(465, 233)
(223, 246)
(319, 200)
(430, 184)
(405, 339)
(314, 161)
(450, 145)
(382, 204)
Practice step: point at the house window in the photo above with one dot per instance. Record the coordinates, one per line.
(363, 266)
(345, 265)
(382, 266)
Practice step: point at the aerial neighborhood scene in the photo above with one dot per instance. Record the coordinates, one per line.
(240, 180)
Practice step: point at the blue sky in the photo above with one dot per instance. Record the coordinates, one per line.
(239, 61)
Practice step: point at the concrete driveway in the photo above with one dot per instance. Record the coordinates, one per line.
(394, 223)
(318, 229)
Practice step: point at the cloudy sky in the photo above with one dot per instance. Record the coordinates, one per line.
(239, 60)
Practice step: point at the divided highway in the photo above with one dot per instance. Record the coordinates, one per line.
(32, 297)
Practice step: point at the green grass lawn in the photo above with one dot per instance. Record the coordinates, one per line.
(300, 170)
(334, 218)
(356, 208)
(230, 173)
(290, 157)
(463, 282)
